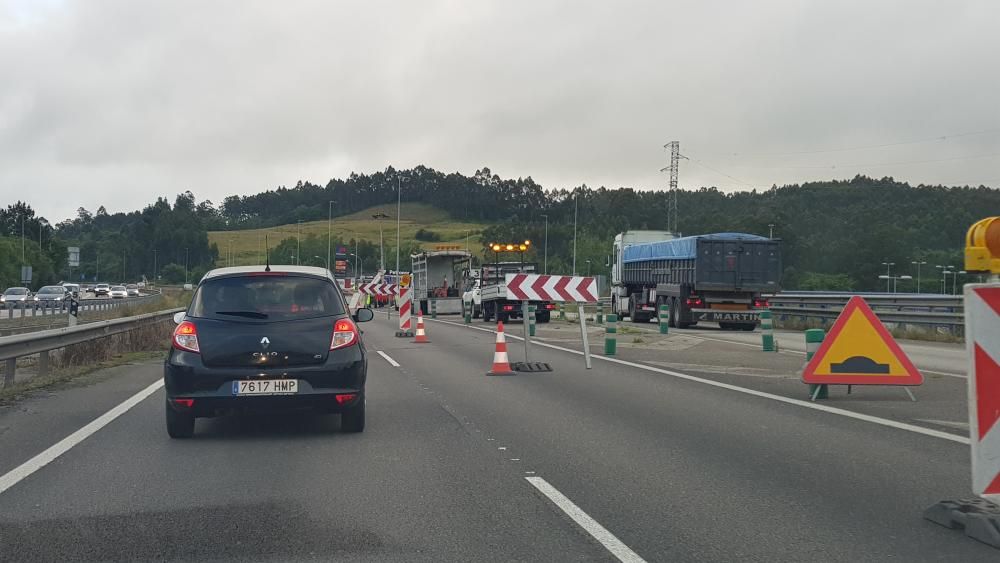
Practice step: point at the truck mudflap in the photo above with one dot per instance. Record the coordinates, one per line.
(722, 316)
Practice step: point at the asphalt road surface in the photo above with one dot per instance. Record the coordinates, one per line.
(620, 462)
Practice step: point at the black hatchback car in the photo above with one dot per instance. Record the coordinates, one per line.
(263, 338)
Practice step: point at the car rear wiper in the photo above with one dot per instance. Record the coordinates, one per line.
(247, 314)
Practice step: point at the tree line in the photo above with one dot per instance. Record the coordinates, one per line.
(835, 234)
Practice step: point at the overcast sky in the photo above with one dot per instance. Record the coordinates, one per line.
(114, 103)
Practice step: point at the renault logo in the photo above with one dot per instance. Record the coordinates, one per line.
(265, 342)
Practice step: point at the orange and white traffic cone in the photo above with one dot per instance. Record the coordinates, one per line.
(501, 364)
(421, 336)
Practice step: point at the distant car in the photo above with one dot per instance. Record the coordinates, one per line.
(15, 295)
(132, 290)
(118, 292)
(262, 342)
(72, 288)
(141, 285)
(51, 295)
(188, 287)
(102, 290)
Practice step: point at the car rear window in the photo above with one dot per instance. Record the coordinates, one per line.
(118, 288)
(273, 298)
(16, 291)
(52, 289)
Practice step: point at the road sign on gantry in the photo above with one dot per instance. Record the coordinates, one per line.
(982, 335)
(539, 287)
(860, 351)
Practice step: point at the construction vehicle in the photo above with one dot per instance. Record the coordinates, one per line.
(436, 275)
(488, 293)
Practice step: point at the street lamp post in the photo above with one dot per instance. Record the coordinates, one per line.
(320, 258)
(588, 268)
(187, 255)
(770, 230)
(576, 210)
(399, 201)
(329, 233)
(894, 280)
(945, 270)
(545, 268)
(298, 243)
(888, 274)
(918, 263)
(154, 265)
(381, 248)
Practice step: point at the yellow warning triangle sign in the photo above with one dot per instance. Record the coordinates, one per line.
(859, 351)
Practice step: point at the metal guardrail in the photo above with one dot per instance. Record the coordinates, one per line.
(942, 312)
(43, 342)
(20, 312)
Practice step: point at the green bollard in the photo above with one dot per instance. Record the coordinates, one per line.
(531, 320)
(434, 308)
(562, 311)
(600, 313)
(664, 318)
(767, 331)
(467, 312)
(814, 337)
(611, 335)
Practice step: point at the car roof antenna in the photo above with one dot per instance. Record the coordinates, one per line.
(267, 256)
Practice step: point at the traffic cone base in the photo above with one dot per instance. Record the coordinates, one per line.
(501, 364)
(421, 336)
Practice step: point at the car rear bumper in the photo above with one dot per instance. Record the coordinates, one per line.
(212, 388)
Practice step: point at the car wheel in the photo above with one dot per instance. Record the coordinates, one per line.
(748, 327)
(543, 318)
(353, 419)
(179, 424)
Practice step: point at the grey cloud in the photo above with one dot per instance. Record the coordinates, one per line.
(115, 103)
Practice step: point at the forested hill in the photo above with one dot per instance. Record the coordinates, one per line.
(836, 233)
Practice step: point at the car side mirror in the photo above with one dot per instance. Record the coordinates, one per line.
(179, 317)
(363, 315)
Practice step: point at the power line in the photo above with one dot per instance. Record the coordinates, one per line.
(876, 146)
(721, 173)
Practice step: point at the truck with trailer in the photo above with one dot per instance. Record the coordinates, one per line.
(719, 277)
(487, 293)
(437, 275)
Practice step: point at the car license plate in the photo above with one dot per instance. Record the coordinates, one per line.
(266, 387)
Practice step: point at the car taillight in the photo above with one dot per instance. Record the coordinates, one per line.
(761, 303)
(508, 307)
(183, 403)
(695, 302)
(344, 398)
(550, 306)
(186, 337)
(344, 334)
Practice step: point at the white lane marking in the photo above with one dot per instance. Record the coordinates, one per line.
(591, 526)
(391, 361)
(14, 476)
(797, 402)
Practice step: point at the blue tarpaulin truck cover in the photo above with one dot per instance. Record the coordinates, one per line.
(679, 248)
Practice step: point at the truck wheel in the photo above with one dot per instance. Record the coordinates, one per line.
(747, 327)
(503, 317)
(673, 313)
(543, 317)
(477, 311)
(486, 313)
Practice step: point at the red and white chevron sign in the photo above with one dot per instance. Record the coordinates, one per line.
(982, 330)
(539, 287)
(382, 289)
